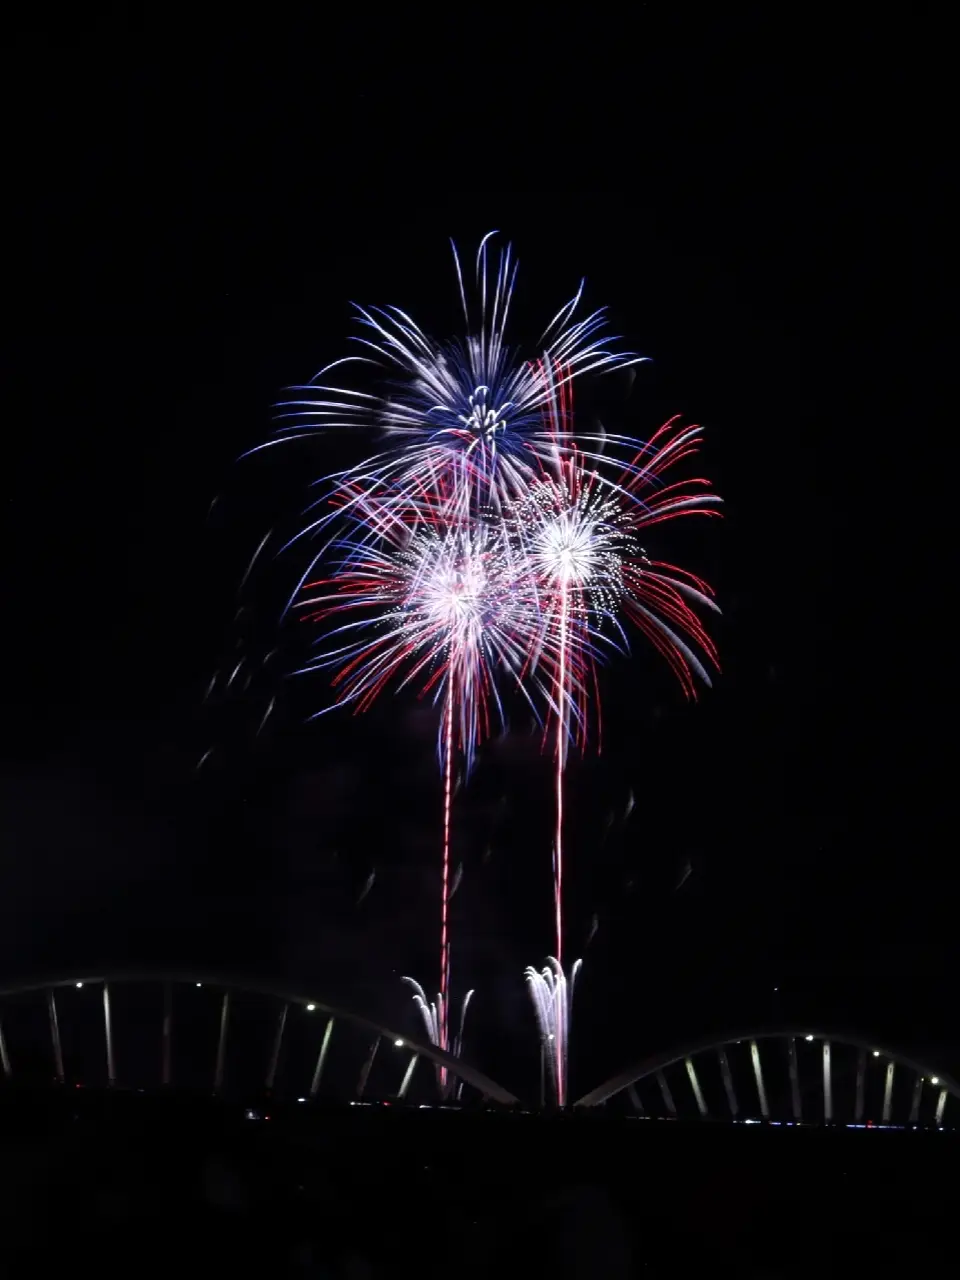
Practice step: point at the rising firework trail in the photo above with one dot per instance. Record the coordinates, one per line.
(445, 874)
(580, 536)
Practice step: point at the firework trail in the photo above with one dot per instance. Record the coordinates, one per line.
(580, 536)
(444, 996)
(440, 608)
(435, 1021)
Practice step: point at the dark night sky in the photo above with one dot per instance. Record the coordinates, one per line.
(190, 216)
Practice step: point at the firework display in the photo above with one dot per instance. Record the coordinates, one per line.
(490, 551)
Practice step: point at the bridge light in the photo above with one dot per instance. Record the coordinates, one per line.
(808, 1037)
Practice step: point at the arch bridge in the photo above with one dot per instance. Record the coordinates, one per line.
(785, 1076)
(208, 1031)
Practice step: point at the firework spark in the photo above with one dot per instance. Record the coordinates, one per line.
(464, 416)
(434, 1019)
(445, 610)
(581, 541)
(552, 994)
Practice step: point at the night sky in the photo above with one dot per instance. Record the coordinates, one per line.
(190, 215)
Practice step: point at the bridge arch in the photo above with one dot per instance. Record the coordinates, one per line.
(229, 986)
(714, 1053)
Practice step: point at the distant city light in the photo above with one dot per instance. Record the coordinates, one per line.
(398, 1043)
(876, 1053)
(199, 984)
(934, 1079)
(79, 985)
(310, 1008)
(809, 1037)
